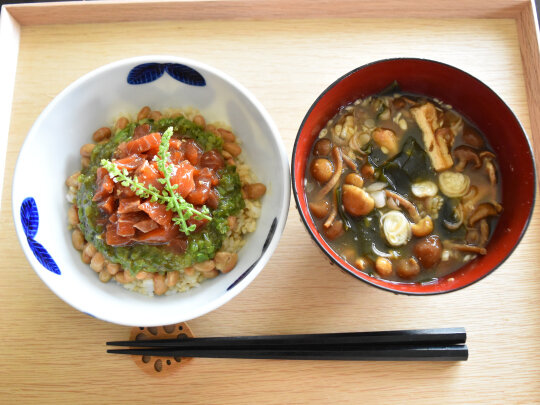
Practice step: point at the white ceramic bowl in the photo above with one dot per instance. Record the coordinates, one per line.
(50, 154)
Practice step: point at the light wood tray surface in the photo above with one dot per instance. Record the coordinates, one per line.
(54, 354)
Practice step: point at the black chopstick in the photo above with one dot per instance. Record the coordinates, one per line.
(389, 353)
(443, 336)
(423, 344)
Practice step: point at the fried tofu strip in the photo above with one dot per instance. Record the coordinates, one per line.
(434, 141)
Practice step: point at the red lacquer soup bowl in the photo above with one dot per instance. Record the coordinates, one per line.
(476, 102)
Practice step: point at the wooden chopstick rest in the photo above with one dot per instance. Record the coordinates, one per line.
(158, 365)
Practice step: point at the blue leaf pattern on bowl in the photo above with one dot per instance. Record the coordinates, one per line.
(145, 73)
(43, 256)
(29, 217)
(148, 72)
(185, 74)
(30, 223)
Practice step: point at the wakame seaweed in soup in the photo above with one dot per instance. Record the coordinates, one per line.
(403, 187)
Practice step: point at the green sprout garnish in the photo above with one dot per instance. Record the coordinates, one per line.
(173, 201)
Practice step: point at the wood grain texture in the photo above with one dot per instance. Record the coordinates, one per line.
(109, 11)
(9, 49)
(529, 40)
(54, 354)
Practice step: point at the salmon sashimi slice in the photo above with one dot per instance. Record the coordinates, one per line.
(158, 212)
(107, 205)
(129, 218)
(206, 175)
(159, 236)
(105, 185)
(192, 151)
(199, 195)
(148, 174)
(113, 239)
(125, 226)
(144, 144)
(129, 163)
(174, 144)
(177, 157)
(124, 192)
(126, 205)
(213, 160)
(147, 225)
(121, 151)
(182, 175)
(213, 199)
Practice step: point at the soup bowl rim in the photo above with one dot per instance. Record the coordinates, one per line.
(368, 278)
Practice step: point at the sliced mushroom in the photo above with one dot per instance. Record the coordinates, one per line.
(466, 248)
(487, 158)
(473, 236)
(436, 146)
(484, 210)
(454, 184)
(322, 170)
(409, 206)
(423, 227)
(361, 263)
(471, 194)
(445, 135)
(453, 121)
(333, 212)
(396, 228)
(319, 209)
(356, 200)
(392, 204)
(473, 138)
(407, 268)
(465, 154)
(428, 251)
(367, 171)
(338, 164)
(484, 232)
(350, 163)
(469, 200)
(322, 147)
(335, 230)
(355, 179)
(383, 266)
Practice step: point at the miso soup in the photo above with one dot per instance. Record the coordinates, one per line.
(403, 187)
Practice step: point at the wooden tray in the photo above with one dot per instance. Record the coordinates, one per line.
(286, 52)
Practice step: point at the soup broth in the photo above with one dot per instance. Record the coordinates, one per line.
(403, 187)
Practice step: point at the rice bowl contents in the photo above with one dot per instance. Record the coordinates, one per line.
(163, 202)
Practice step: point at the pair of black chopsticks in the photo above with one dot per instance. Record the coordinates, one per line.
(414, 345)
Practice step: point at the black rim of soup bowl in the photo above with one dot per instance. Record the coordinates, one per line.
(368, 281)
